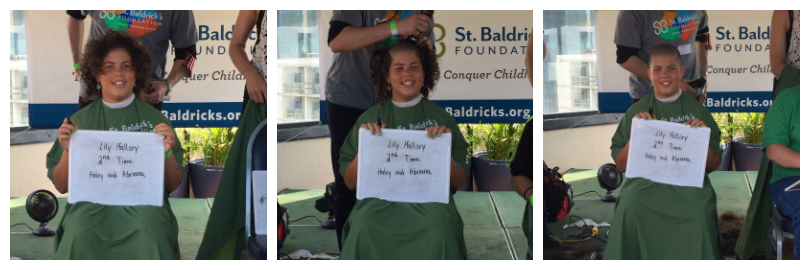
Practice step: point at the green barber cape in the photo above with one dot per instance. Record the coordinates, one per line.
(379, 229)
(225, 232)
(754, 233)
(94, 231)
(660, 221)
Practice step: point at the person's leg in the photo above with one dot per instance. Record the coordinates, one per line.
(545, 216)
(340, 119)
(788, 203)
(549, 240)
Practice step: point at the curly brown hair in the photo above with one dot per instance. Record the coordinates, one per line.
(96, 50)
(381, 63)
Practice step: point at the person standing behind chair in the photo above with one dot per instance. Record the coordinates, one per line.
(780, 142)
(639, 31)
(354, 35)
(784, 54)
(255, 70)
(155, 28)
(224, 236)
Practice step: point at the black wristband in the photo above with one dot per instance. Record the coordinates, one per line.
(524, 192)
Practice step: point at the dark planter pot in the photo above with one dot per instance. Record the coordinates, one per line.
(204, 179)
(467, 183)
(490, 175)
(182, 190)
(746, 156)
(725, 160)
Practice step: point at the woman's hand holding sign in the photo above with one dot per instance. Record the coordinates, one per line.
(66, 131)
(167, 133)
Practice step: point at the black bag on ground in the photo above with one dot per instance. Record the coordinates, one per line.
(557, 194)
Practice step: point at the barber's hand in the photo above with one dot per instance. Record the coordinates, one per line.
(436, 131)
(425, 41)
(413, 25)
(66, 131)
(374, 128)
(695, 123)
(257, 88)
(686, 88)
(160, 88)
(702, 97)
(78, 74)
(167, 133)
(645, 116)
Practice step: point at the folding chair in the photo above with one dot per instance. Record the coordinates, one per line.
(255, 244)
(779, 228)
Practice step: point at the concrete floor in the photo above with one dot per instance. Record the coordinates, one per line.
(492, 223)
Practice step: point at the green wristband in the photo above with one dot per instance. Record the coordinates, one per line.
(169, 153)
(531, 200)
(76, 66)
(393, 25)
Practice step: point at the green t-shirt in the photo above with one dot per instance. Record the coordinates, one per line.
(782, 126)
(379, 229)
(94, 231)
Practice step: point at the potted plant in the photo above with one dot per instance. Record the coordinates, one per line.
(490, 169)
(214, 144)
(728, 128)
(747, 151)
(472, 142)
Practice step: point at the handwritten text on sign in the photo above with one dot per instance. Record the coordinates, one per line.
(668, 153)
(404, 166)
(116, 168)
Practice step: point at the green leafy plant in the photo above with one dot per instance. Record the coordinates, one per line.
(752, 125)
(728, 127)
(500, 139)
(183, 135)
(213, 143)
(473, 140)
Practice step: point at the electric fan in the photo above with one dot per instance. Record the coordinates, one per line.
(610, 178)
(42, 206)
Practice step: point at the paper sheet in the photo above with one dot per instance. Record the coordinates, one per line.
(404, 166)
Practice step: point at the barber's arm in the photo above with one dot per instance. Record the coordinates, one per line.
(521, 184)
(780, 22)
(75, 36)
(529, 55)
(351, 38)
(632, 63)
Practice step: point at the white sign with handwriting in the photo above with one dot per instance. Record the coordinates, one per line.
(668, 153)
(116, 168)
(260, 202)
(404, 166)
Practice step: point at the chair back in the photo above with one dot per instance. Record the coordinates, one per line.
(256, 159)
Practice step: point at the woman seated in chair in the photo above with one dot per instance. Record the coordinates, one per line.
(659, 221)
(780, 141)
(404, 75)
(117, 65)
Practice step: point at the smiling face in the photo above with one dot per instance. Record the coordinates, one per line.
(666, 73)
(405, 76)
(117, 76)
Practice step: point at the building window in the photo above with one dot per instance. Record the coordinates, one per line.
(19, 71)
(298, 77)
(569, 70)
